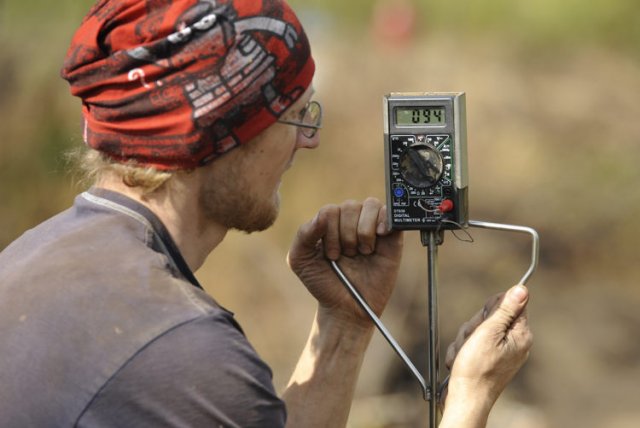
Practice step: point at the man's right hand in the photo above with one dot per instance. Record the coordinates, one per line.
(489, 350)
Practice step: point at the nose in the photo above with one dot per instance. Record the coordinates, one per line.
(305, 142)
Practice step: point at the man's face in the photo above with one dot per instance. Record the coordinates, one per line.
(240, 189)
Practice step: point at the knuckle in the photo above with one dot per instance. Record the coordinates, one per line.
(330, 209)
(372, 201)
(351, 204)
(328, 214)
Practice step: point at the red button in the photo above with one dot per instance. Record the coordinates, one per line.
(446, 206)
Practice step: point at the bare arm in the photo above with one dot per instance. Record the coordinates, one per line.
(321, 388)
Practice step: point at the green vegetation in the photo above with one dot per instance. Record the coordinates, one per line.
(615, 23)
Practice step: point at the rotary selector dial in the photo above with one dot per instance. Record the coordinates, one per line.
(421, 165)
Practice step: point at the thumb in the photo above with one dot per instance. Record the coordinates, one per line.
(510, 308)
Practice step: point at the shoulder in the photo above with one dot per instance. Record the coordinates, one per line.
(197, 374)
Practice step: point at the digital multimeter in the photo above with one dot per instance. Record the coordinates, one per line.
(426, 160)
(427, 190)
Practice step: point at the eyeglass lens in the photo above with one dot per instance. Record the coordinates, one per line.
(311, 117)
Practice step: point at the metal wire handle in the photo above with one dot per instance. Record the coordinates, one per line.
(535, 242)
(429, 392)
(381, 327)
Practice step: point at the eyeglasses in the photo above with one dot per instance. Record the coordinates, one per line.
(310, 119)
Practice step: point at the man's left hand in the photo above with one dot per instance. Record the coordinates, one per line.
(356, 235)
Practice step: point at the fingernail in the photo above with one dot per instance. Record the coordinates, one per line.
(518, 293)
(382, 228)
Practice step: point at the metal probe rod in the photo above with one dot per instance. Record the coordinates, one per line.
(434, 337)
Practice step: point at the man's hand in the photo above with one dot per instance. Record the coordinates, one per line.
(356, 236)
(489, 350)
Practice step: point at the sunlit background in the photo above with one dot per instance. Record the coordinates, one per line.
(553, 125)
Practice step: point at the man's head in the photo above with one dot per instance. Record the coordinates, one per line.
(173, 85)
(237, 191)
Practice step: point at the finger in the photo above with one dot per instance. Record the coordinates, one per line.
(308, 236)
(492, 304)
(329, 217)
(305, 244)
(383, 222)
(349, 215)
(367, 225)
(452, 352)
(509, 309)
(463, 334)
(469, 327)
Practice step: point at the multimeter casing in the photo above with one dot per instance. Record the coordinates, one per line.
(426, 161)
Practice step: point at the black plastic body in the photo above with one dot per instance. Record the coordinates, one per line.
(443, 203)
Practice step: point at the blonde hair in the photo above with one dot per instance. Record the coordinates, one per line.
(93, 165)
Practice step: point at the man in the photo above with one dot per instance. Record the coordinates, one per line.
(193, 112)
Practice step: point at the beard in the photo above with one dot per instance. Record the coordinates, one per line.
(238, 206)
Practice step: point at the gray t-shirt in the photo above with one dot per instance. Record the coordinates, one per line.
(103, 324)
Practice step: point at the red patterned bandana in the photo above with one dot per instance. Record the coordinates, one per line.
(172, 84)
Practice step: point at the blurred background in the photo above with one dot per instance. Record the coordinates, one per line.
(553, 136)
